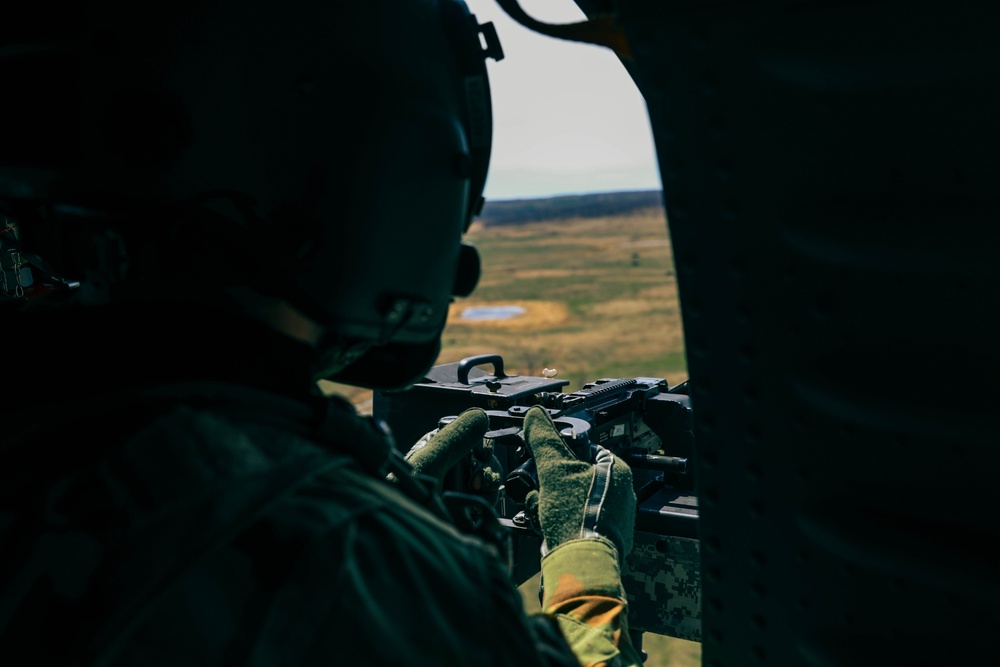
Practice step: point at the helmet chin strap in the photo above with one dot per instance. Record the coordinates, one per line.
(279, 315)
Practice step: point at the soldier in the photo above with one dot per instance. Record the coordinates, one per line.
(208, 207)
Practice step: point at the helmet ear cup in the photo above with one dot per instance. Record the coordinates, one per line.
(468, 271)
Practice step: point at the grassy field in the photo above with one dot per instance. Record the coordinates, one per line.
(599, 296)
(600, 300)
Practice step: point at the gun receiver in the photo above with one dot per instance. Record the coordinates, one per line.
(642, 420)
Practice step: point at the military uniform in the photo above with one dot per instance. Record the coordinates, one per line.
(190, 505)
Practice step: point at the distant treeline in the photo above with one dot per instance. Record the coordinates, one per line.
(604, 204)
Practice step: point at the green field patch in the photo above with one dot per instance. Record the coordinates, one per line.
(615, 277)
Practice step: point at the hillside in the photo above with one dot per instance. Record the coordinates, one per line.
(599, 205)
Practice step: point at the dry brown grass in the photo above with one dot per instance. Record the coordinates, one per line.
(600, 295)
(537, 316)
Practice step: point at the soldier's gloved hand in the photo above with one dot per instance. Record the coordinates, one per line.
(586, 512)
(576, 499)
(440, 450)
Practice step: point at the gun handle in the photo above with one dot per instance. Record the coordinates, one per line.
(467, 364)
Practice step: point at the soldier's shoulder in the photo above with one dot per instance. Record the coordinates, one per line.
(346, 495)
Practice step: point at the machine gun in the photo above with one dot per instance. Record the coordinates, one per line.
(642, 420)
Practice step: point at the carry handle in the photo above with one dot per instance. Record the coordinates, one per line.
(467, 364)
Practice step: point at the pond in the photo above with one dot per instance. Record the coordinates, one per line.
(491, 312)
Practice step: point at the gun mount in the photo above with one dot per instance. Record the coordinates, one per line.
(642, 420)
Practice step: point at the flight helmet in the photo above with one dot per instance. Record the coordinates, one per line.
(330, 154)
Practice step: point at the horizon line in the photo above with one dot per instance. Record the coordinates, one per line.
(487, 200)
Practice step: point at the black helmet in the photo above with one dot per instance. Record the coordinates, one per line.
(332, 154)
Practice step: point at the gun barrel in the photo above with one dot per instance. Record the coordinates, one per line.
(659, 462)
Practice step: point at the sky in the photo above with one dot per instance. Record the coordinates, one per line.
(567, 118)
